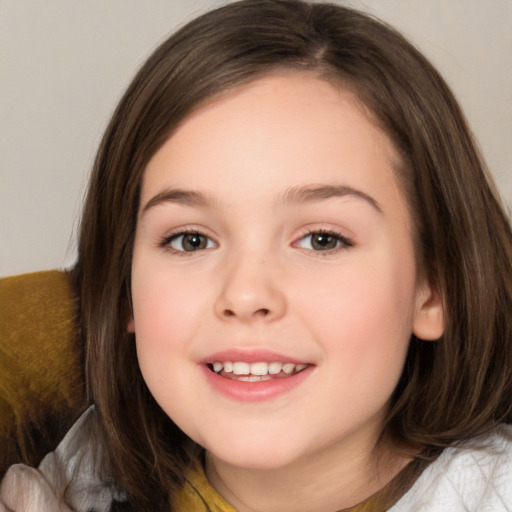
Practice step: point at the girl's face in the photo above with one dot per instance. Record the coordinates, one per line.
(274, 280)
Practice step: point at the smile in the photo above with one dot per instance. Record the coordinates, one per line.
(254, 375)
(257, 371)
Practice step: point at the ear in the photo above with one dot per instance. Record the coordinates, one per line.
(131, 325)
(429, 314)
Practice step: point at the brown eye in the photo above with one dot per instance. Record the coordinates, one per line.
(189, 242)
(324, 241)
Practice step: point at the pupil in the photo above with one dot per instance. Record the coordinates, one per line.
(323, 241)
(193, 242)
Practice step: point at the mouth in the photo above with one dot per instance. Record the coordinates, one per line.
(254, 375)
(258, 371)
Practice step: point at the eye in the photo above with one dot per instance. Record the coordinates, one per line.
(189, 242)
(324, 241)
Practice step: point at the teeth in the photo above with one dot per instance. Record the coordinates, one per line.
(259, 369)
(288, 368)
(241, 368)
(274, 368)
(254, 378)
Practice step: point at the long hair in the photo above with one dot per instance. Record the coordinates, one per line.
(451, 389)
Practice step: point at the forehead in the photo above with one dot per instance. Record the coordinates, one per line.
(256, 142)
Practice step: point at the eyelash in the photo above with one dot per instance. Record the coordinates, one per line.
(166, 241)
(342, 242)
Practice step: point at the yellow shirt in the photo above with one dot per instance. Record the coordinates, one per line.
(198, 495)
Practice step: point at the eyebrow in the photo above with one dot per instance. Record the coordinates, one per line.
(179, 196)
(314, 193)
(292, 196)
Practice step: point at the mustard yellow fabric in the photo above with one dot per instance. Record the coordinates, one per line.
(198, 495)
(41, 365)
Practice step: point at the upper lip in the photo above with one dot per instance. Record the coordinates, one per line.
(250, 356)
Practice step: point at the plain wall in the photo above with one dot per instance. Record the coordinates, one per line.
(64, 64)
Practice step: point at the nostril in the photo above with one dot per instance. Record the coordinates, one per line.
(259, 312)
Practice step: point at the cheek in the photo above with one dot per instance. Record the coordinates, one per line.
(363, 325)
(167, 310)
(362, 315)
(168, 307)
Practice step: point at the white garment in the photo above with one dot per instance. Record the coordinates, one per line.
(76, 461)
(464, 479)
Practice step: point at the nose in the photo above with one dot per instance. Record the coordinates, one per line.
(250, 292)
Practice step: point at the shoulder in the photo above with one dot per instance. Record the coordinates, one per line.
(474, 477)
(69, 478)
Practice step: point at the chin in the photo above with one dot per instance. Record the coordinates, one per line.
(267, 455)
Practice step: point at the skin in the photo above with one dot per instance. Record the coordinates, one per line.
(259, 283)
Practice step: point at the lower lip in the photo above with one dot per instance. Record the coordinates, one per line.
(258, 391)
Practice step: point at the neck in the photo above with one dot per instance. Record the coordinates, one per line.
(331, 479)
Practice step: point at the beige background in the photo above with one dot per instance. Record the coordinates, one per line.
(65, 63)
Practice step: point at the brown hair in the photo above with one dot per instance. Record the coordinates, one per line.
(451, 389)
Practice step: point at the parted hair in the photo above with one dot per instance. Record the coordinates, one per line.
(451, 389)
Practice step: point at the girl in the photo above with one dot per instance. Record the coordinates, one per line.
(295, 284)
